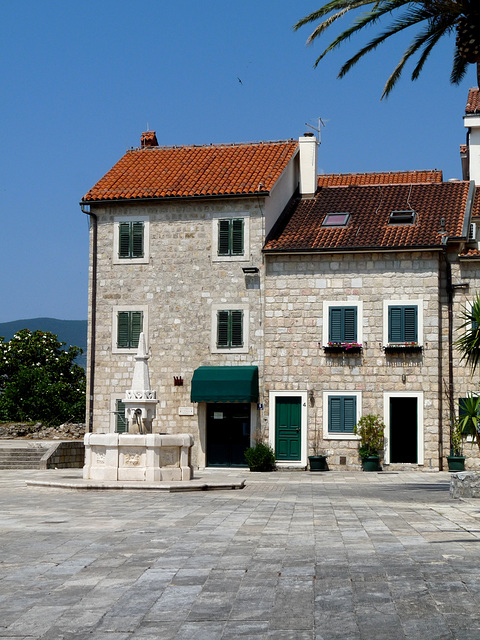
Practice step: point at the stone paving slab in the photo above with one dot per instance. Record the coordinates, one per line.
(293, 555)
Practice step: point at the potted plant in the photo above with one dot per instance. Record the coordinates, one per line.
(456, 459)
(317, 462)
(261, 457)
(371, 429)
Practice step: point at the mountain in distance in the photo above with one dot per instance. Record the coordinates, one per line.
(72, 332)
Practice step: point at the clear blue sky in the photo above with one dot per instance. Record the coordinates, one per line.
(82, 80)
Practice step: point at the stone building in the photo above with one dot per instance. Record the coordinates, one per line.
(282, 305)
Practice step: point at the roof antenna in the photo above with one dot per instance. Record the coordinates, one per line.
(148, 128)
(320, 124)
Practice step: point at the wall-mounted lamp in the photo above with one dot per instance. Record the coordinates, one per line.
(311, 397)
(250, 270)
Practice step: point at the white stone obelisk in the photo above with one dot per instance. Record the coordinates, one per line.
(140, 401)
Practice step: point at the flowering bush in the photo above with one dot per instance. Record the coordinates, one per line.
(345, 345)
(39, 380)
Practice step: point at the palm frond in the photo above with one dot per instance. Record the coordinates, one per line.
(408, 20)
(334, 5)
(459, 68)
(469, 342)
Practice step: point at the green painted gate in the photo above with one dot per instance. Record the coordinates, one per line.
(288, 431)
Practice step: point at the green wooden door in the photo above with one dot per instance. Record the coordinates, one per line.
(288, 431)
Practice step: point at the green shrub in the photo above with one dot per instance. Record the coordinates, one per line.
(370, 428)
(260, 457)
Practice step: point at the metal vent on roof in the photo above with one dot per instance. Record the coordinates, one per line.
(406, 216)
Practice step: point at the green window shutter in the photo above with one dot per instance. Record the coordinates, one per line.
(410, 322)
(236, 328)
(123, 329)
(349, 413)
(136, 327)
(222, 328)
(129, 328)
(403, 323)
(335, 332)
(224, 237)
(137, 240)
(237, 237)
(350, 324)
(124, 240)
(229, 329)
(342, 324)
(120, 419)
(342, 414)
(334, 414)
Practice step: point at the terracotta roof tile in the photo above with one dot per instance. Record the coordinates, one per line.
(471, 253)
(300, 228)
(476, 203)
(390, 177)
(473, 101)
(159, 172)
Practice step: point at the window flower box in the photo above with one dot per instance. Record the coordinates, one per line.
(403, 347)
(343, 347)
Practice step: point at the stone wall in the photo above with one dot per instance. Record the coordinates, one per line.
(66, 455)
(177, 290)
(296, 290)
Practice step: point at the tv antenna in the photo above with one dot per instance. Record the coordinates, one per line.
(318, 130)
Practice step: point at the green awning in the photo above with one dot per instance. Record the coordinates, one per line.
(225, 384)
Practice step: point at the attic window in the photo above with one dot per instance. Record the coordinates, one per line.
(406, 216)
(335, 220)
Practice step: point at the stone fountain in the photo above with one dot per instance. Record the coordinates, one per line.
(139, 454)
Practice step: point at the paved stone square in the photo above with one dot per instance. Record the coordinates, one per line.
(293, 555)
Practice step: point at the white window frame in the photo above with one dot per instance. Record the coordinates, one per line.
(245, 328)
(340, 436)
(146, 239)
(272, 395)
(420, 427)
(403, 302)
(231, 215)
(115, 312)
(342, 303)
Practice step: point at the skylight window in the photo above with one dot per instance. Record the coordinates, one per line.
(335, 220)
(406, 216)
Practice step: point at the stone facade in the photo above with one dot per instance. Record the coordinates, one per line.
(178, 291)
(297, 290)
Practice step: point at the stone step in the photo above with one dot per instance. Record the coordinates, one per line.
(21, 457)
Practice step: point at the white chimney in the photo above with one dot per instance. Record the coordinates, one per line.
(471, 120)
(308, 144)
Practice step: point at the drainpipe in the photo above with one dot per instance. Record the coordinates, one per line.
(449, 289)
(93, 313)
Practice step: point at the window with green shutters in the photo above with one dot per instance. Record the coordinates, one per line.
(229, 329)
(342, 414)
(230, 237)
(129, 328)
(130, 240)
(120, 419)
(342, 324)
(402, 323)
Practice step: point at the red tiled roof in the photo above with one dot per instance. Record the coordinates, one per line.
(473, 101)
(471, 253)
(390, 177)
(300, 228)
(159, 172)
(476, 203)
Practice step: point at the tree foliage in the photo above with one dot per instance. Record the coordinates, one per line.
(436, 18)
(39, 380)
(469, 341)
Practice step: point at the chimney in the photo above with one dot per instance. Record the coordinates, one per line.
(148, 139)
(308, 164)
(471, 121)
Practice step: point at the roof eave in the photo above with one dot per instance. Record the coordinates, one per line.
(101, 201)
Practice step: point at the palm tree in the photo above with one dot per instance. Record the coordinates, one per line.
(469, 341)
(437, 18)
